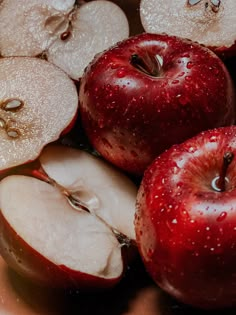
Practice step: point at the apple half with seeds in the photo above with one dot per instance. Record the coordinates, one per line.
(68, 224)
(211, 23)
(67, 33)
(38, 102)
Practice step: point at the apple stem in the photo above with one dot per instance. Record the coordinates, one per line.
(221, 181)
(149, 65)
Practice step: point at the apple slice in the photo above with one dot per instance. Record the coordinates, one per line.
(37, 102)
(68, 33)
(95, 26)
(70, 231)
(37, 22)
(210, 22)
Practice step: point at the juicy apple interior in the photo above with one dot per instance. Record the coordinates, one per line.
(186, 219)
(67, 33)
(38, 101)
(69, 231)
(211, 23)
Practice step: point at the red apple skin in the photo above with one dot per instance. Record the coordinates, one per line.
(225, 52)
(186, 231)
(131, 117)
(31, 265)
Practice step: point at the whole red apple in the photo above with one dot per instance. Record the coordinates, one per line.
(186, 219)
(149, 92)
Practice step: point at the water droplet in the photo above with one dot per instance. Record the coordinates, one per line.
(114, 66)
(175, 81)
(191, 150)
(121, 73)
(190, 64)
(213, 139)
(188, 78)
(150, 252)
(106, 143)
(181, 74)
(222, 216)
(183, 100)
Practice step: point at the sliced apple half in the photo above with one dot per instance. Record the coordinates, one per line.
(95, 26)
(209, 22)
(38, 101)
(28, 27)
(69, 231)
(67, 33)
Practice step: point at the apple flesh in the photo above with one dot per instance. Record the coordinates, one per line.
(72, 230)
(66, 33)
(186, 219)
(149, 92)
(38, 102)
(211, 23)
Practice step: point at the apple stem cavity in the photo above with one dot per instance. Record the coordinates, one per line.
(149, 65)
(214, 5)
(219, 183)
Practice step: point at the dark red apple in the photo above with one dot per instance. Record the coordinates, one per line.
(186, 219)
(149, 92)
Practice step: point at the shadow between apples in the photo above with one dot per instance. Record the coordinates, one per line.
(136, 294)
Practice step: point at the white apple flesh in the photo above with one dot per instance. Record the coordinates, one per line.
(67, 33)
(38, 101)
(49, 239)
(211, 23)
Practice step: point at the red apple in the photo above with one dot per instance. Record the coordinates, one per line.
(186, 219)
(68, 225)
(211, 23)
(149, 92)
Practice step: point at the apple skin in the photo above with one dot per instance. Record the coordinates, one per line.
(31, 265)
(130, 117)
(186, 231)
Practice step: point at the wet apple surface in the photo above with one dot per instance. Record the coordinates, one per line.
(135, 293)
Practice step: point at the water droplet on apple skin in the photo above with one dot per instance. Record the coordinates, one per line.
(222, 216)
(190, 64)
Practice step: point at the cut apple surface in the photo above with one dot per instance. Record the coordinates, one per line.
(211, 22)
(68, 33)
(49, 238)
(37, 102)
(33, 27)
(95, 26)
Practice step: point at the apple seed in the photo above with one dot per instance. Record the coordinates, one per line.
(13, 133)
(12, 104)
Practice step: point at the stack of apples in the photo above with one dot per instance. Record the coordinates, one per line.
(157, 107)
